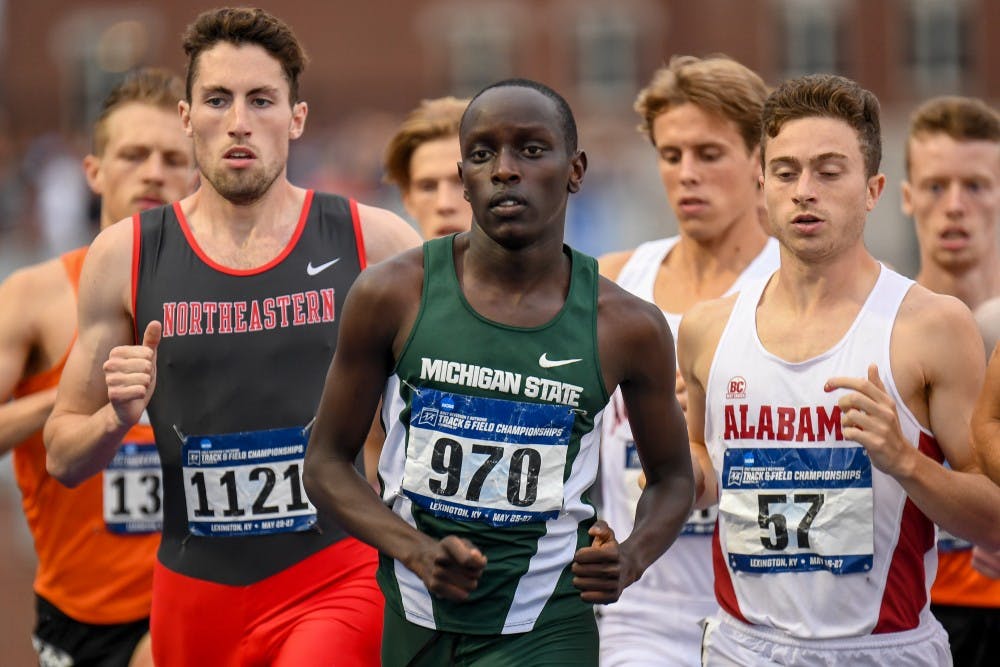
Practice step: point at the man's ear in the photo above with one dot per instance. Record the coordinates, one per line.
(92, 172)
(184, 109)
(907, 202)
(299, 112)
(579, 168)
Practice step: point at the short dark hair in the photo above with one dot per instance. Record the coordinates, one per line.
(567, 122)
(961, 118)
(154, 86)
(828, 96)
(243, 25)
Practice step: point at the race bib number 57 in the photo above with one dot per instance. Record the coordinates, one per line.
(796, 510)
(484, 459)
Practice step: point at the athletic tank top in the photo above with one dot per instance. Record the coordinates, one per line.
(93, 570)
(684, 573)
(240, 370)
(812, 540)
(493, 436)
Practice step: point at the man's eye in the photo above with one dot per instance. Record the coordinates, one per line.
(670, 156)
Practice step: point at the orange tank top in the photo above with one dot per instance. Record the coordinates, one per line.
(958, 584)
(90, 573)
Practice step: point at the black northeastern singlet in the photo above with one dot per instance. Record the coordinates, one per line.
(240, 370)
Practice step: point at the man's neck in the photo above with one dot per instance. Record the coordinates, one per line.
(807, 287)
(244, 235)
(972, 286)
(703, 260)
(697, 269)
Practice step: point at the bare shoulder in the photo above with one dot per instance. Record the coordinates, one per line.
(115, 242)
(385, 233)
(29, 283)
(707, 319)
(924, 313)
(27, 292)
(398, 278)
(107, 271)
(626, 314)
(612, 263)
(936, 333)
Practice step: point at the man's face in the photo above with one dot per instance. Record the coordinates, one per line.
(953, 195)
(710, 177)
(515, 167)
(147, 162)
(434, 197)
(815, 187)
(241, 120)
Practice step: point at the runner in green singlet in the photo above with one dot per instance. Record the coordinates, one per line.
(495, 352)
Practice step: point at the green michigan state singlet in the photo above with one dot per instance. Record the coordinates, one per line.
(493, 436)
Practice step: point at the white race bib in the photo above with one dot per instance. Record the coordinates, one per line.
(246, 483)
(700, 522)
(133, 490)
(798, 509)
(485, 459)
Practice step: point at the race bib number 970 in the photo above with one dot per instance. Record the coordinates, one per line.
(246, 483)
(797, 510)
(484, 459)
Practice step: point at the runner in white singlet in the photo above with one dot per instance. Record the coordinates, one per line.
(822, 403)
(703, 119)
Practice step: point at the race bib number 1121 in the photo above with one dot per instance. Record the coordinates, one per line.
(246, 483)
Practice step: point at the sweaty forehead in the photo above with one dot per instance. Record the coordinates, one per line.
(234, 66)
(510, 107)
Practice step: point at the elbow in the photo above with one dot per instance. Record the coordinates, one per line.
(61, 472)
(56, 464)
(991, 540)
(312, 481)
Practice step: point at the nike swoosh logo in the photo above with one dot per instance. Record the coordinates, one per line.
(313, 270)
(545, 362)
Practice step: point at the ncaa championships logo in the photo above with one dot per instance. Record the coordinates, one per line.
(737, 388)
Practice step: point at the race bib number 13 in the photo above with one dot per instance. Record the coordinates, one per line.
(484, 459)
(797, 510)
(246, 483)
(133, 491)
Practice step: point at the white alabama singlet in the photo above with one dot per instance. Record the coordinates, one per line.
(814, 541)
(681, 579)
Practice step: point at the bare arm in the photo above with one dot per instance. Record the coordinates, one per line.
(986, 420)
(85, 427)
(634, 334)
(370, 325)
(697, 341)
(944, 344)
(19, 296)
(385, 234)
(661, 438)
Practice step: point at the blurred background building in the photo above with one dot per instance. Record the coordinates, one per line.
(372, 61)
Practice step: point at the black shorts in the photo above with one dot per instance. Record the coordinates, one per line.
(62, 641)
(973, 632)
